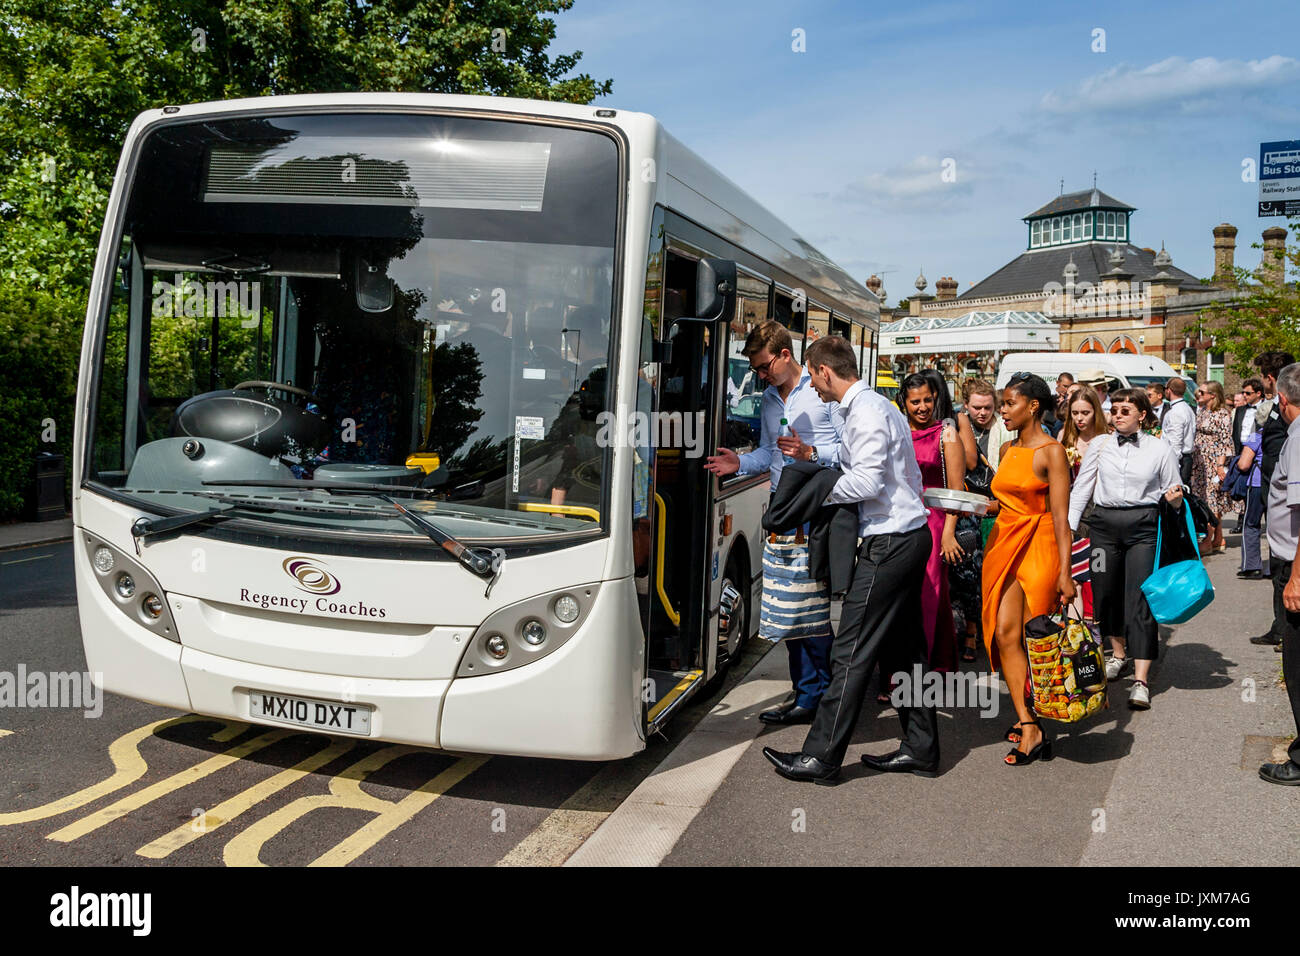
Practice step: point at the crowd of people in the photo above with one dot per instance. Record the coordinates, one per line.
(1078, 481)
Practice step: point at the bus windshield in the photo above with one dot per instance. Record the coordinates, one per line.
(392, 299)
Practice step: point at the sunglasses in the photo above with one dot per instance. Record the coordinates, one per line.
(1021, 377)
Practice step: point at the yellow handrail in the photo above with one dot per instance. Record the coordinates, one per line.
(659, 571)
(577, 511)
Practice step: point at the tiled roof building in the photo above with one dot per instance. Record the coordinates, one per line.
(1081, 269)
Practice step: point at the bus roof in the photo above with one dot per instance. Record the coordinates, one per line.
(690, 185)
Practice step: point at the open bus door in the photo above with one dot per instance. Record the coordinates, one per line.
(678, 622)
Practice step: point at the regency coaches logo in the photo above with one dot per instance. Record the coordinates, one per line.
(312, 579)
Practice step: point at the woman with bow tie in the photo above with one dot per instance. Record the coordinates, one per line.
(1125, 474)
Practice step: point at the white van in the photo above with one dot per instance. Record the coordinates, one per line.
(1132, 371)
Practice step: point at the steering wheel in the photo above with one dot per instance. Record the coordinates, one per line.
(274, 387)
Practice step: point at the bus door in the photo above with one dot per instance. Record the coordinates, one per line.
(679, 541)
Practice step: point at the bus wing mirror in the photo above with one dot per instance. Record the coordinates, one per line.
(715, 289)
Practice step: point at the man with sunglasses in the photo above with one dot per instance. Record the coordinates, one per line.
(804, 624)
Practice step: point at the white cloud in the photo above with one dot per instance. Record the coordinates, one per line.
(1174, 80)
(917, 184)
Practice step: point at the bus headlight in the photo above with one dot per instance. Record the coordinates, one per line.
(566, 609)
(132, 589)
(152, 606)
(534, 632)
(523, 632)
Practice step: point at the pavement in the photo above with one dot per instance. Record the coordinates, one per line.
(25, 534)
(1175, 785)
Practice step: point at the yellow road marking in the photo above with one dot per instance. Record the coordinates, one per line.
(345, 791)
(6, 733)
(226, 811)
(128, 766)
(183, 778)
(39, 557)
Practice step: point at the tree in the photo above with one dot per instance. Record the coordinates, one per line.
(74, 73)
(1266, 314)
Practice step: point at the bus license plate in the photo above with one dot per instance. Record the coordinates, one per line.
(337, 718)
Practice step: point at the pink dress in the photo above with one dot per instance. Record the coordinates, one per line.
(936, 607)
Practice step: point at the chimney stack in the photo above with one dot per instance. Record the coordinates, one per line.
(1272, 264)
(945, 289)
(1225, 245)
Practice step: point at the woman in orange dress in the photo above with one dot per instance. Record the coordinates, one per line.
(1027, 558)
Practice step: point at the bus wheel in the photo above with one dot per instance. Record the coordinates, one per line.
(733, 616)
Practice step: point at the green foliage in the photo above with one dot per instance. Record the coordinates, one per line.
(75, 73)
(1266, 316)
(39, 339)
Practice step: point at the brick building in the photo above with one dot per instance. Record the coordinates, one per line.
(1081, 270)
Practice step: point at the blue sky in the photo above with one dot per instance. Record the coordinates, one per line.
(846, 141)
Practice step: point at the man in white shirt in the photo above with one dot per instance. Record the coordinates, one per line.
(1179, 427)
(881, 618)
(1284, 561)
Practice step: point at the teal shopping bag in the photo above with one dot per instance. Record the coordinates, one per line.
(1178, 591)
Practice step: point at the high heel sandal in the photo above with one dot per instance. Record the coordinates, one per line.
(1041, 750)
(1013, 733)
(968, 652)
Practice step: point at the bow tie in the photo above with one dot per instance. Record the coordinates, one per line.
(1128, 439)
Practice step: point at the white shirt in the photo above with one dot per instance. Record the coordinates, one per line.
(1248, 422)
(1118, 476)
(1179, 427)
(878, 465)
(1284, 498)
(807, 414)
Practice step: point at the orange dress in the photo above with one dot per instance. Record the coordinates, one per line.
(1022, 546)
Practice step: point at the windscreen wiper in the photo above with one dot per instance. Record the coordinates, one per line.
(147, 527)
(483, 562)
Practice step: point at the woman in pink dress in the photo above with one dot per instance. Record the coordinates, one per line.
(937, 445)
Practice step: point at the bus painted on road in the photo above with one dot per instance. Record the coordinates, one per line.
(393, 411)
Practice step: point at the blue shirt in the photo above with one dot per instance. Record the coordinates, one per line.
(814, 420)
(878, 465)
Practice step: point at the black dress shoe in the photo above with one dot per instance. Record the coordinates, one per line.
(793, 714)
(1250, 575)
(1286, 773)
(1267, 639)
(776, 713)
(800, 766)
(899, 762)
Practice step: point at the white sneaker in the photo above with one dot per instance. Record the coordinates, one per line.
(1115, 666)
(1139, 698)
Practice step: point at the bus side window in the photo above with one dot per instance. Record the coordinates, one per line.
(794, 319)
(742, 425)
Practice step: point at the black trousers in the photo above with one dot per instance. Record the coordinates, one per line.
(1126, 540)
(1290, 634)
(1185, 468)
(880, 621)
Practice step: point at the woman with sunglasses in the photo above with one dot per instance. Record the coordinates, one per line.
(942, 457)
(1027, 559)
(1210, 455)
(1125, 477)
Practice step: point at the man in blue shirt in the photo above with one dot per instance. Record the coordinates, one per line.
(795, 608)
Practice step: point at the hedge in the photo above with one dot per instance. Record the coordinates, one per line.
(40, 343)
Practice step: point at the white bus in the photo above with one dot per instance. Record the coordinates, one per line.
(358, 418)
